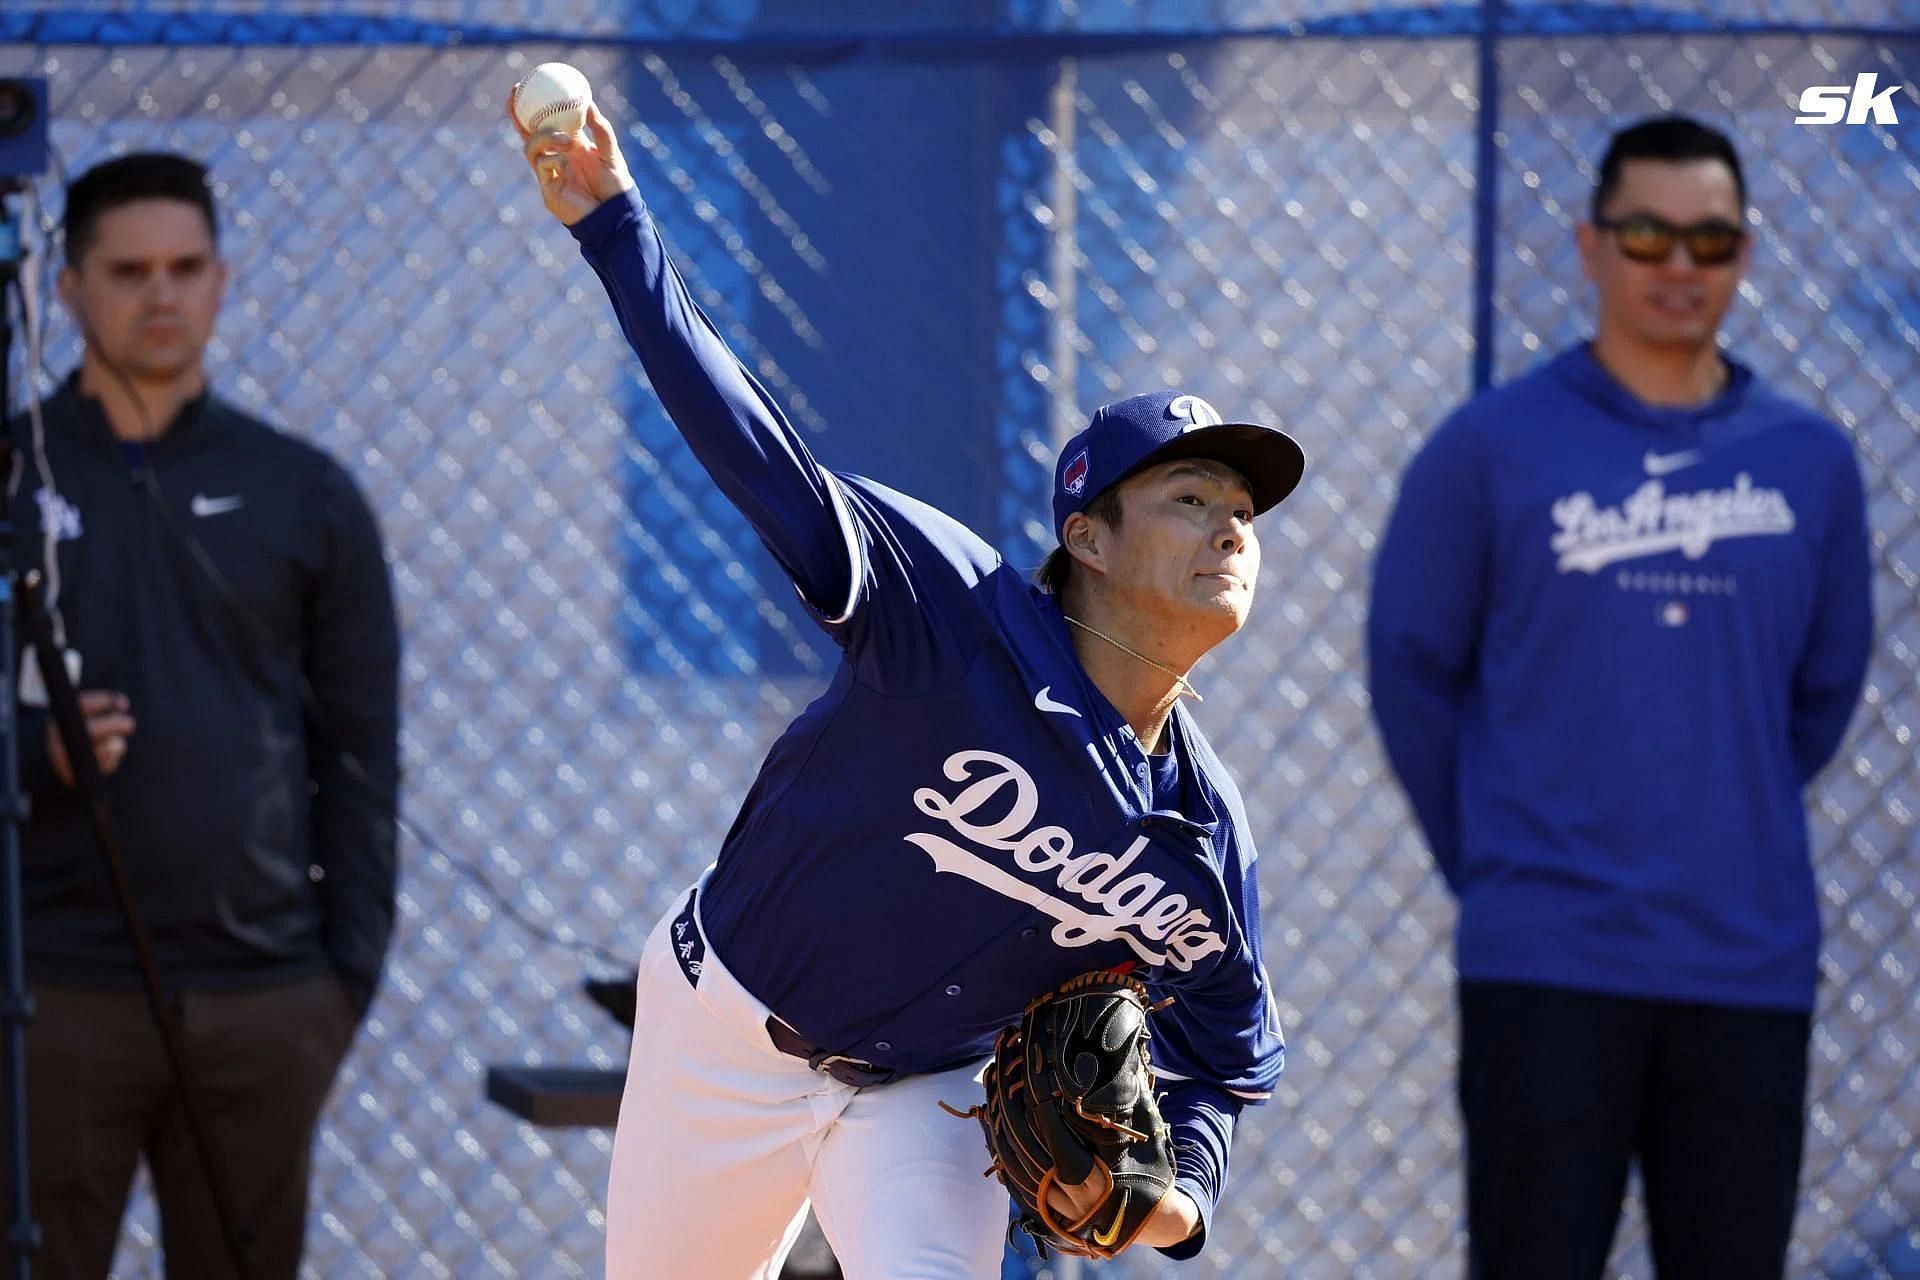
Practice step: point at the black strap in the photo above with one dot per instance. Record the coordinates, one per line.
(64, 703)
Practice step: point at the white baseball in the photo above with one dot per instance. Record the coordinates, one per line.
(554, 96)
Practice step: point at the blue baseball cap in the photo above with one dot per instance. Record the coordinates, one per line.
(1132, 434)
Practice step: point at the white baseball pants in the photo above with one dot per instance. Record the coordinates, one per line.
(723, 1140)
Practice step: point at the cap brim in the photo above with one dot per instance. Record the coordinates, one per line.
(1267, 456)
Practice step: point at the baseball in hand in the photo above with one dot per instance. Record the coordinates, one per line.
(553, 96)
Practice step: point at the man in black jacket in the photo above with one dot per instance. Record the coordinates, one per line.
(224, 588)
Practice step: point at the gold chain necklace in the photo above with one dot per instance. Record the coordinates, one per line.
(1178, 679)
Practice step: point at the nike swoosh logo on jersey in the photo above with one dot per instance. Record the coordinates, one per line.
(204, 506)
(1042, 701)
(1660, 464)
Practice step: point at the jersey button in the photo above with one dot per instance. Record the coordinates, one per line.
(1029, 933)
(953, 991)
(883, 1045)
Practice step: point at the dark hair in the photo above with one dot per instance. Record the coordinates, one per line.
(1675, 138)
(144, 175)
(1052, 574)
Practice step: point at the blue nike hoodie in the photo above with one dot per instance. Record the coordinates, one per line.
(1609, 645)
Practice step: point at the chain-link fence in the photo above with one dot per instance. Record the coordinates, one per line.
(939, 234)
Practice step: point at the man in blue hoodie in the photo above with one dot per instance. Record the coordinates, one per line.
(1620, 619)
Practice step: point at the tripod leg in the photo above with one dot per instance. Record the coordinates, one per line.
(64, 702)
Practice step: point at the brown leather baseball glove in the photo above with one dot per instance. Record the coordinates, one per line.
(1070, 1103)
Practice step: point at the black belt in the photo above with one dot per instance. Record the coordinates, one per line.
(690, 952)
(861, 1075)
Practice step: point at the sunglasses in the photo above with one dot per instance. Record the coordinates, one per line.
(1645, 238)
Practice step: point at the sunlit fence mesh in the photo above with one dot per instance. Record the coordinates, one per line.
(940, 241)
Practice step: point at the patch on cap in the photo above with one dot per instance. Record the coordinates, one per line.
(1074, 478)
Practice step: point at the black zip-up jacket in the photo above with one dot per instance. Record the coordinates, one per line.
(257, 826)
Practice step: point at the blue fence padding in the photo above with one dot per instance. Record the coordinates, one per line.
(1486, 204)
(901, 360)
(999, 41)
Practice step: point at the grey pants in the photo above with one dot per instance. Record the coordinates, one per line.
(100, 1097)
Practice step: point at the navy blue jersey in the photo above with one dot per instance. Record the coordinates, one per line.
(962, 820)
